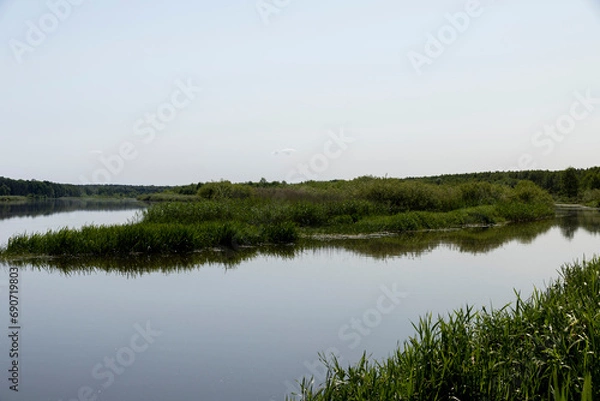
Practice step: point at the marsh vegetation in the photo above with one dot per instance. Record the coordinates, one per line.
(235, 215)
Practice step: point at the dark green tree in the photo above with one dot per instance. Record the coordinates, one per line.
(4, 190)
(570, 183)
(595, 181)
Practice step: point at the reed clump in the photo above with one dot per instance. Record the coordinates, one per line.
(147, 238)
(546, 347)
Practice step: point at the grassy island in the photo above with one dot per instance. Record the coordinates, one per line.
(223, 214)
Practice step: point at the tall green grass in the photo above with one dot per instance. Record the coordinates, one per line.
(147, 239)
(227, 215)
(260, 211)
(394, 195)
(396, 208)
(543, 348)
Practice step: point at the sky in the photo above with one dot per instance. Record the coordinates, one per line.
(169, 93)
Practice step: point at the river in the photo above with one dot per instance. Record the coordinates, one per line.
(246, 325)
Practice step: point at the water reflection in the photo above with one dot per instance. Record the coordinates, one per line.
(411, 245)
(474, 241)
(53, 206)
(570, 221)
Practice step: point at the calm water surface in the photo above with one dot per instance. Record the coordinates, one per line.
(245, 326)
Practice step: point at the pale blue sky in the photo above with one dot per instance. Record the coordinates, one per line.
(78, 95)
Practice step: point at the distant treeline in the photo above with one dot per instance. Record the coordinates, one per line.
(582, 185)
(570, 183)
(47, 189)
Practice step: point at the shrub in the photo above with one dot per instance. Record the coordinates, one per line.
(480, 193)
(528, 192)
(403, 195)
(526, 202)
(308, 214)
(225, 190)
(188, 213)
(282, 233)
(592, 197)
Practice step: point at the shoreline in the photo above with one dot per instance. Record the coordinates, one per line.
(574, 206)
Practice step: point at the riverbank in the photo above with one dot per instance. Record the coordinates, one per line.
(545, 347)
(24, 199)
(6, 199)
(575, 206)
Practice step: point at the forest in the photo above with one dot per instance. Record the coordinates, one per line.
(47, 189)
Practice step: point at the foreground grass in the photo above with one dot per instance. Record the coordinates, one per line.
(543, 348)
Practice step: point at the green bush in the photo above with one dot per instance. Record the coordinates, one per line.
(592, 197)
(404, 196)
(412, 195)
(528, 192)
(526, 202)
(282, 233)
(481, 193)
(307, 214)
(225, 190)
(342, 220)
